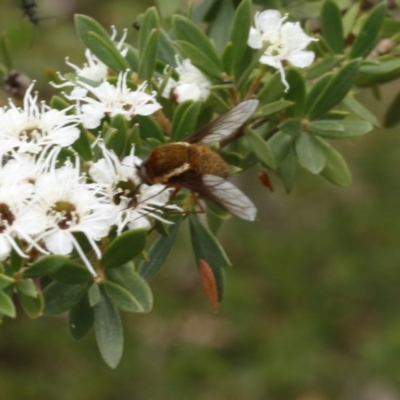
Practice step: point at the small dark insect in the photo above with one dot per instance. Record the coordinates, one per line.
(193, 165)
(29, 7)
(16, 83)
(136, 25)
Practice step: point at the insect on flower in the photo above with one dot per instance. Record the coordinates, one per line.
(193, 165)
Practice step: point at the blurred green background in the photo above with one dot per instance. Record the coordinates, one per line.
(312, 306)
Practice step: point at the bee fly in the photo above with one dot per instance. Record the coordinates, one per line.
(193, 165)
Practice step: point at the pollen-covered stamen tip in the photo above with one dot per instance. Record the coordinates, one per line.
(126, 190)
(66, 213)
(6, 217)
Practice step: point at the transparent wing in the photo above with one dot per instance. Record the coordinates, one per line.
(224, 125)
(230, 197)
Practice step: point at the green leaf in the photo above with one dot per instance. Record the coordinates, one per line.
(272, 108)
(378, 72)
(16, 261)
(331, 24)
(132, 58)
(309, 153)
(360, 111)
(296, 92)
(158, 253)
(280, 144)
(5, 281)
(227, 58)
(59, 298)
(124, 248)
(149, 128)
(261, 149)
(71, 274)
(27, 287)
(108, 330)
(166, 50)
(335, 91)
(81, 318)
(206, 247)
(321, 67)
(97, 40)
(122, 298)
(148, 56)
(94, 295)
(45, 266)
(367, 37)
(117, 141)
(187, 31)
(126, 277)
(185, 119)
(272, 90)
(241, 23)
(148, 22)
(392, 116)
(168, 7)
(83, 145)
(198, 58)
(336, 169)
(292, 126)
(316, 89)
(287, 171)
(219, 30)
(350, 18)
(6, 305)
(59, 103)
(335, 129)
(33, 306)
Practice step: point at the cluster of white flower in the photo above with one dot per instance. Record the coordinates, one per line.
(45, 201)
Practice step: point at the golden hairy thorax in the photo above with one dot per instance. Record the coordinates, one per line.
(174, 159)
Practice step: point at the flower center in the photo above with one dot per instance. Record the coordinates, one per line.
(31, 134)
(126, 190)
(66, 213)
(6, 217)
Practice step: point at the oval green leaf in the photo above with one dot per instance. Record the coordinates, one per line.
(187, 31)
(336, 169)
(108, 330)
(335, 91)
(97, 40)
(45, 266)
(331, 24)
(126, 277)
(7, 306)
(309, 153)
(81, 318)
(124, 248)
(71, 274)
(368, 35)
(59, 298)
(339, 129)
(261, 149)
(158, 253)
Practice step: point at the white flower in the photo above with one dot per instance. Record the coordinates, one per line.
(192, 83)
(71, 205)
(114, 100)
(19, 217)
(94, 69)
(286, 41)
(34, 127)
(135, 202)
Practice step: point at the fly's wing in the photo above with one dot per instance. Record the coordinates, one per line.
(230, 197)
(224, 125)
